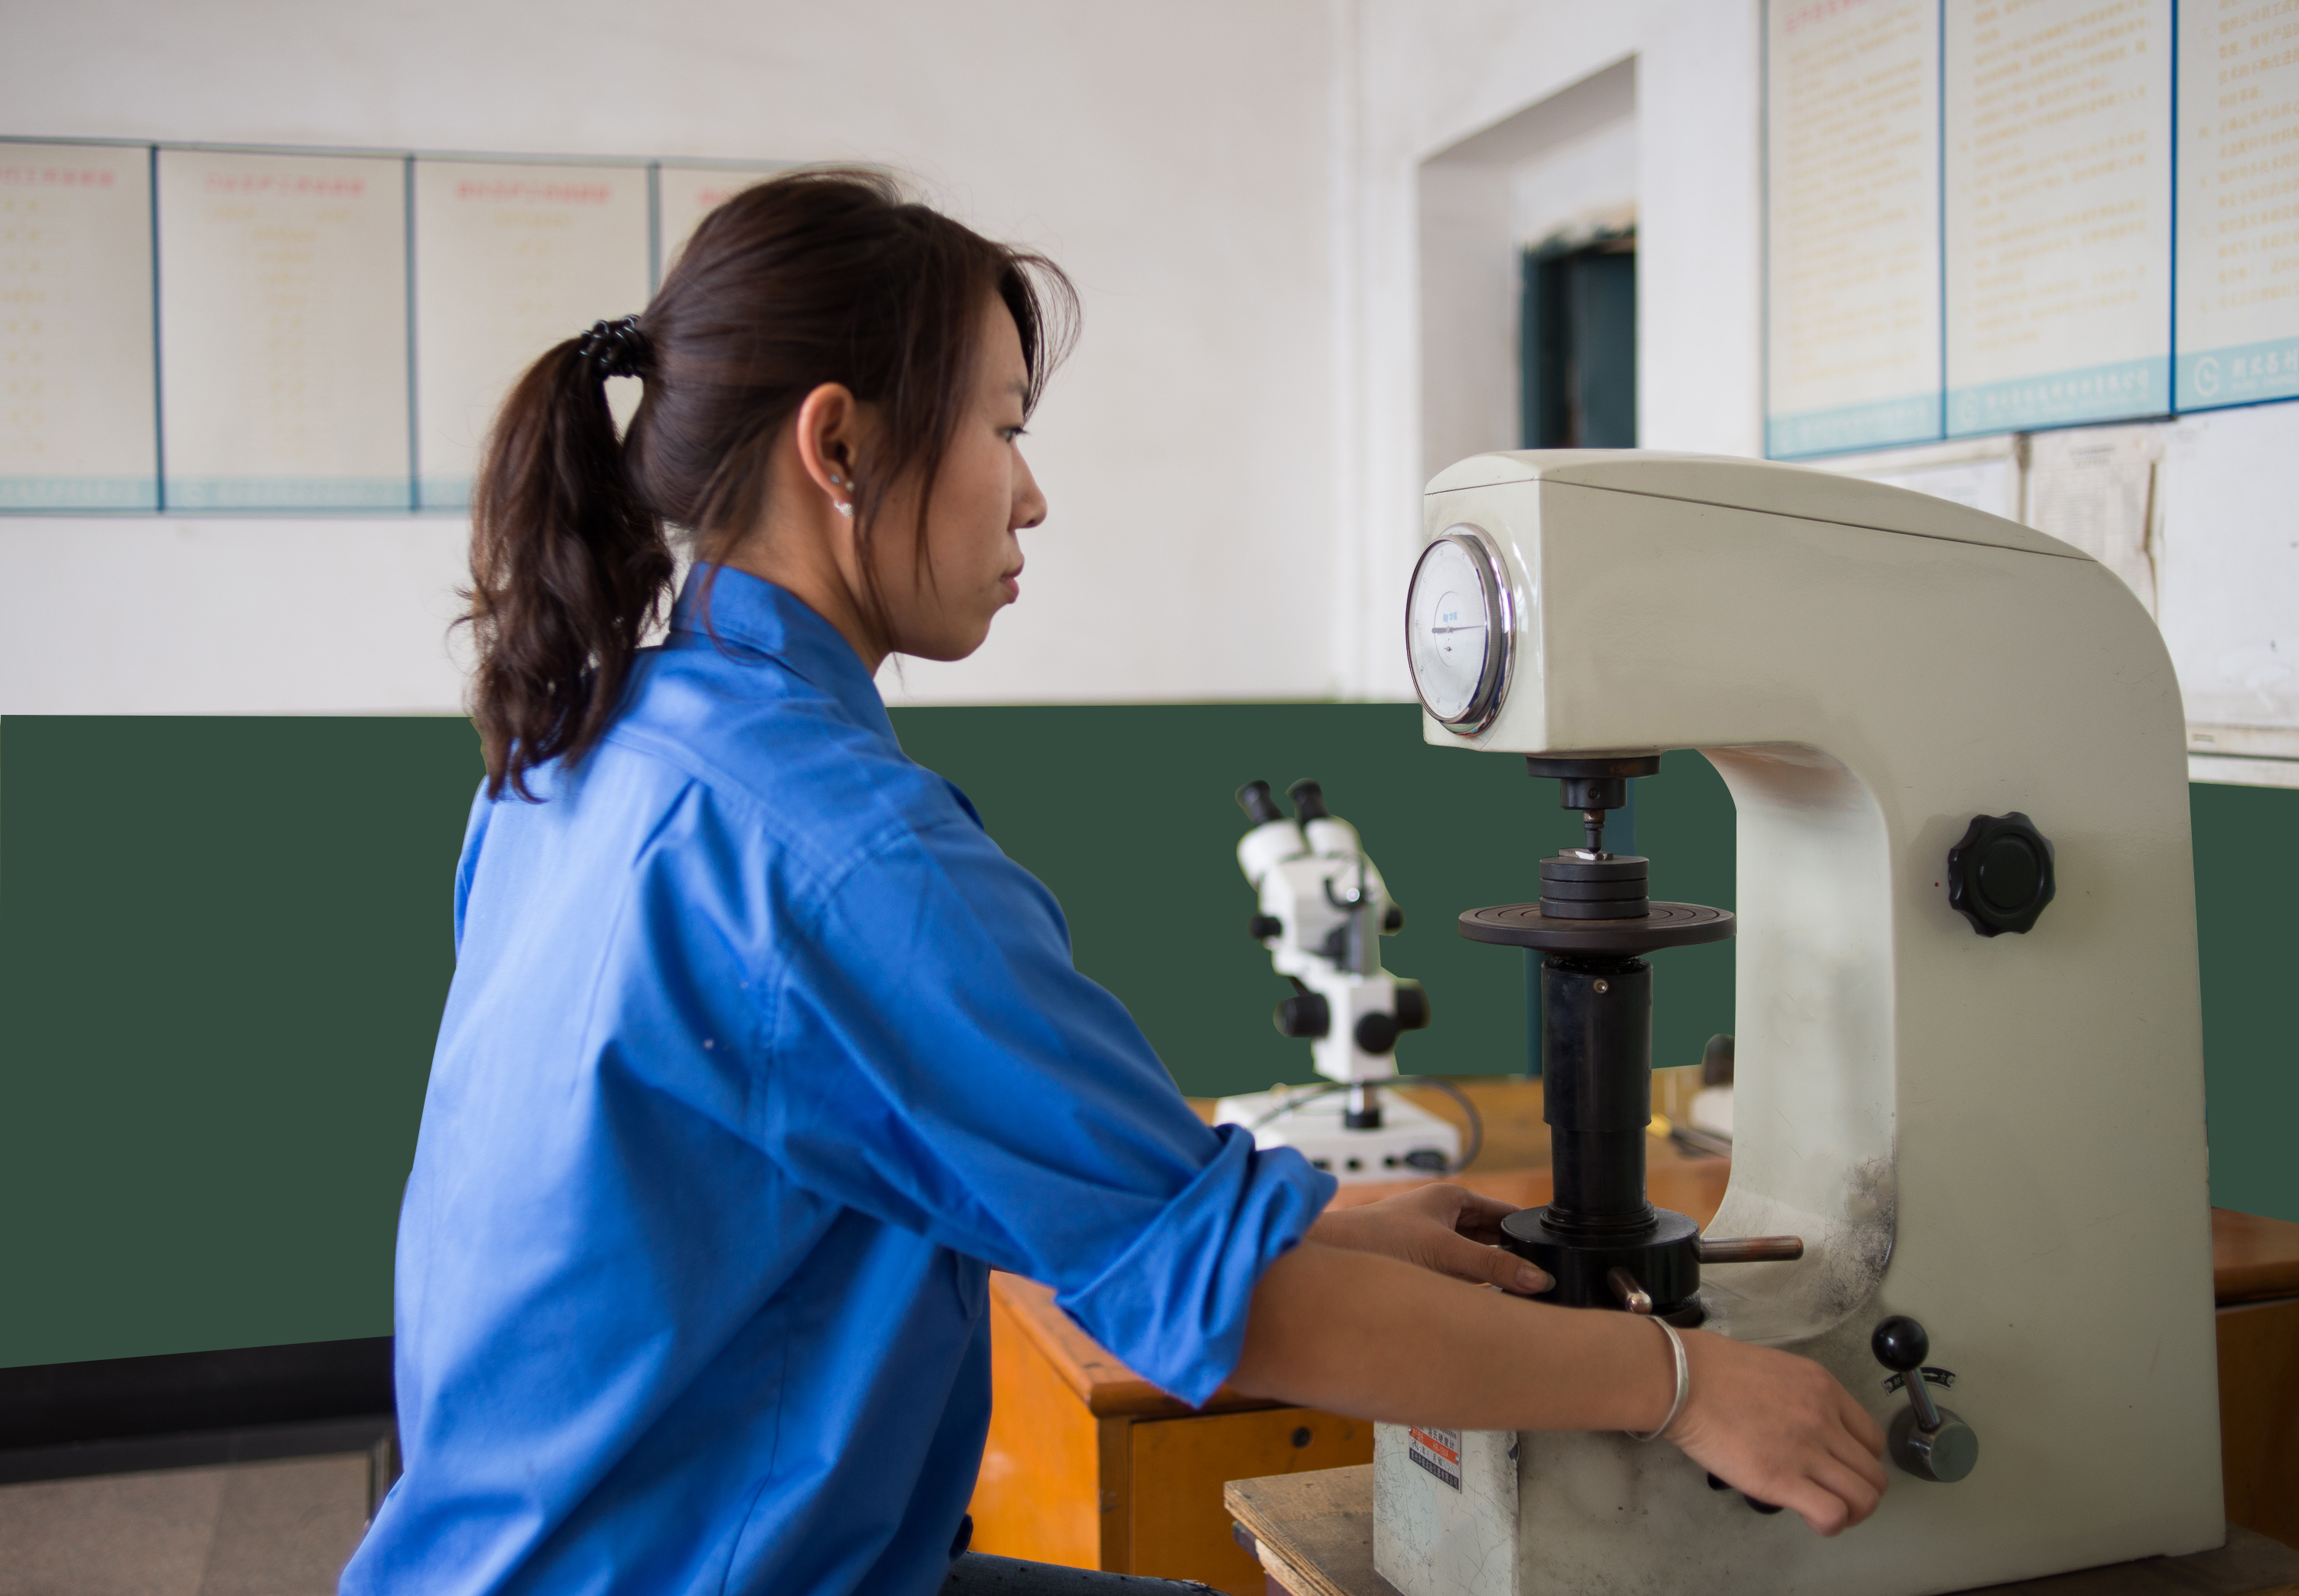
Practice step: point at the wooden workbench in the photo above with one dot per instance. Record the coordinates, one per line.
(1089, 1465)
(1312, 1535)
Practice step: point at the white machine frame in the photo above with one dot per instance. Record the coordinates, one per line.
(2002, 1137)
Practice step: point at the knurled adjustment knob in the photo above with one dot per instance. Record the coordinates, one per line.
(1999, 876)
(1305, 1016)
(1376, 1033)
(1262, 927)
(1412, 1005)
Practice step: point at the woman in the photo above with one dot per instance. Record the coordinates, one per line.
(759, 1054)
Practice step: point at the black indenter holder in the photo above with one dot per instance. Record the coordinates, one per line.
(1605, 1245)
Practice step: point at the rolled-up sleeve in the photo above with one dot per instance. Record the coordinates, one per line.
(932, 1058)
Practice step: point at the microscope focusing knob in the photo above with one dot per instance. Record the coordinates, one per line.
(1262, 927)
(1999, 876)
(1376, 1033)
(1304, 1016)
(1412, 1005)
(1393, 919)
(1927, 1441)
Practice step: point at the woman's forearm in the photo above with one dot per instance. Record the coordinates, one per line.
(1372, 1337)
(1369, 1334)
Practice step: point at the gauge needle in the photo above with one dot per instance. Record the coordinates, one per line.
(1440, 630)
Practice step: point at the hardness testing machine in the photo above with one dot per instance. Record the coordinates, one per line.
(1968, 1169)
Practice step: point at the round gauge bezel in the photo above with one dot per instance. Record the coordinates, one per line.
(1500, 616)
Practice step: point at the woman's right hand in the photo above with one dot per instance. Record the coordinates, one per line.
(1780, 1429)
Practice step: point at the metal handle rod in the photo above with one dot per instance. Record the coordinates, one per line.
(1752, 1249)
(1633, 1297)
(1928, 1416)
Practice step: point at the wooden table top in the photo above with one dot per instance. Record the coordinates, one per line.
(2253, 1259)
(1320, 1527)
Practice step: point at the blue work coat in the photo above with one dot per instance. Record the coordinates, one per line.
(758, 1055)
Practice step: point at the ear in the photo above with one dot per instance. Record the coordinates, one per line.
(829, 436)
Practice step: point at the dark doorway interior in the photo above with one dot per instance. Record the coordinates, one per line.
(1579, 359)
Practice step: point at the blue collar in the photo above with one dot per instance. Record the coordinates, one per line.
(751, 615)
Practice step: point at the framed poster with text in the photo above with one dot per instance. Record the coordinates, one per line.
(1852, 225)
(2238, 205)
(510, 259)
(283, 330)
(78, 421)
(2058, 212)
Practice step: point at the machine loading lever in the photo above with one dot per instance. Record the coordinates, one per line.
(1927, 1440)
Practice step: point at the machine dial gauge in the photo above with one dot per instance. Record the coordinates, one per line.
(1458, 630)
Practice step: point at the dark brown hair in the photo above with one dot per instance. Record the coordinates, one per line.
(815, 277)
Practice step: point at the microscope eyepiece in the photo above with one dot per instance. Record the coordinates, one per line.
(1308, 801)
(1259, 807)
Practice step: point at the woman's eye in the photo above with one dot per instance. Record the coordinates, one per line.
(1011, 433)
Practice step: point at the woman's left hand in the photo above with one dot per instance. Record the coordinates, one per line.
(1441, 1227)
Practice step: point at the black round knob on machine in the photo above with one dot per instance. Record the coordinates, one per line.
(1412, 1005)
(1304, 1016)
(1900, 1344)
(1393, 919)
(1259, 807)
(1262, 927)
(1375, 1033)
(2000, 876)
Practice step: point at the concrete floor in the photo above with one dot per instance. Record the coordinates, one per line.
(248, 1529)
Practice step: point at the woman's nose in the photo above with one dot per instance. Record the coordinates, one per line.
(1029, 503)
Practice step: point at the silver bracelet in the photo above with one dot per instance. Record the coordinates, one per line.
(1683, 1384)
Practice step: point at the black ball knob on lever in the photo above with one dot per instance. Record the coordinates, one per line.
(1927, 1440)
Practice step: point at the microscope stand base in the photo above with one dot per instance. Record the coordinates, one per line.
(1315, 1129)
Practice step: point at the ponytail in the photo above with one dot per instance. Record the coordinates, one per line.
(568, 568)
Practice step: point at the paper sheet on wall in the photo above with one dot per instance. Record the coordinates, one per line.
(1852, 134)
(688, 193)
(78, 429)
(2058, 211)
(2094, 487)
(283, 331)
(511, 259)
(2238, 203)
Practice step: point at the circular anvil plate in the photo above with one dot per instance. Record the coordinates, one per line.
(1667, 925)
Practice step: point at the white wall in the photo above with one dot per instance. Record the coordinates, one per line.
(1179, 159)
(1566, 164)
(1430, 75)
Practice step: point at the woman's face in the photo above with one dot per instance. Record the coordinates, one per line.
(941, 607)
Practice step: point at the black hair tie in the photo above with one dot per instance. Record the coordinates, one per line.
(617, 348)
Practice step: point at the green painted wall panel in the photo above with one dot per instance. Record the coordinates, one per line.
(223, 947)
(224, 944)
(2246, 878)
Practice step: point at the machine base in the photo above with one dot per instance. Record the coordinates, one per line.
(1315, 1129)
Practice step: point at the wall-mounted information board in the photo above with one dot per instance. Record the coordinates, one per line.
(1852, 215)
(191, 328)
(2058, 216)
(283, 331)
(509, 261)
(2238, 263)
(2109, 186)
(76, 376)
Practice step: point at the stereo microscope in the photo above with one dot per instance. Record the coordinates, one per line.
(1322, 909)
(1968, 1141)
